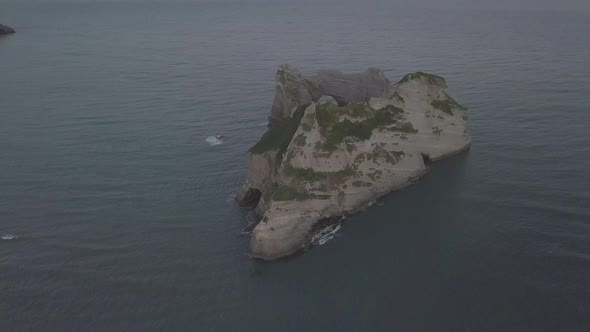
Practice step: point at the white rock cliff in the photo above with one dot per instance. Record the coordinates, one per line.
(319, 160)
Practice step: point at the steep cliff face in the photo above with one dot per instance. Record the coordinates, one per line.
(322, 160)
(4, 30)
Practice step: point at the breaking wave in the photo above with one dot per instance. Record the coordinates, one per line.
(214, 140)
(9, 237)
(325, 234)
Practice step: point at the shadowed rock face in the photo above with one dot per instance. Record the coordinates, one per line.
(318, 161)
(4, 30)
(294, 92)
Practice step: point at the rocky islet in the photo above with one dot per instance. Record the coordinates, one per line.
(321, 160)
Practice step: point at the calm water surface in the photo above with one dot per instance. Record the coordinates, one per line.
(123, 213)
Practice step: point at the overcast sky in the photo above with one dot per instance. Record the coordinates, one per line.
(575, 5)
(519, 4)
(493, 4)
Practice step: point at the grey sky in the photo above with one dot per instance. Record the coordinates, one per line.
(570, 5)
(495, 4)
(517, 4)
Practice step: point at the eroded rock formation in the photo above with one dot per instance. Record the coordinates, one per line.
(295, 92)
(322, 160)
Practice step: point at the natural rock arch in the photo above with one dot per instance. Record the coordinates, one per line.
(294, 92)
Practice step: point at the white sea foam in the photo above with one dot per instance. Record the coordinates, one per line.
(231, 199)
(214, 140)
(9, 237)
(325, 235)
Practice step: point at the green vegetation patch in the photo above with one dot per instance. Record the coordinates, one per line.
(306, 174)
(405, 127)
(432, 79)
(376, 175)
(336, 131)
(447, 105)
(390, 157)
(328, 113)
(309, 175)
(378, 154)
(300, 139)
(350, 147)
(278, 136)
(443, 105)
(338, 178)
(436, 130)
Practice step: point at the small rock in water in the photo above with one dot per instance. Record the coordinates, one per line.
(4, 30)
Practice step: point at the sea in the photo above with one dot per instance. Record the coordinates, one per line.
(124, 127)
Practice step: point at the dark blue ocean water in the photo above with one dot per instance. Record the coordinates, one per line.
(123, 213)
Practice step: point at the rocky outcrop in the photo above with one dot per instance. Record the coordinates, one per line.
(319, 160)
(4, 30)
(294, 92)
